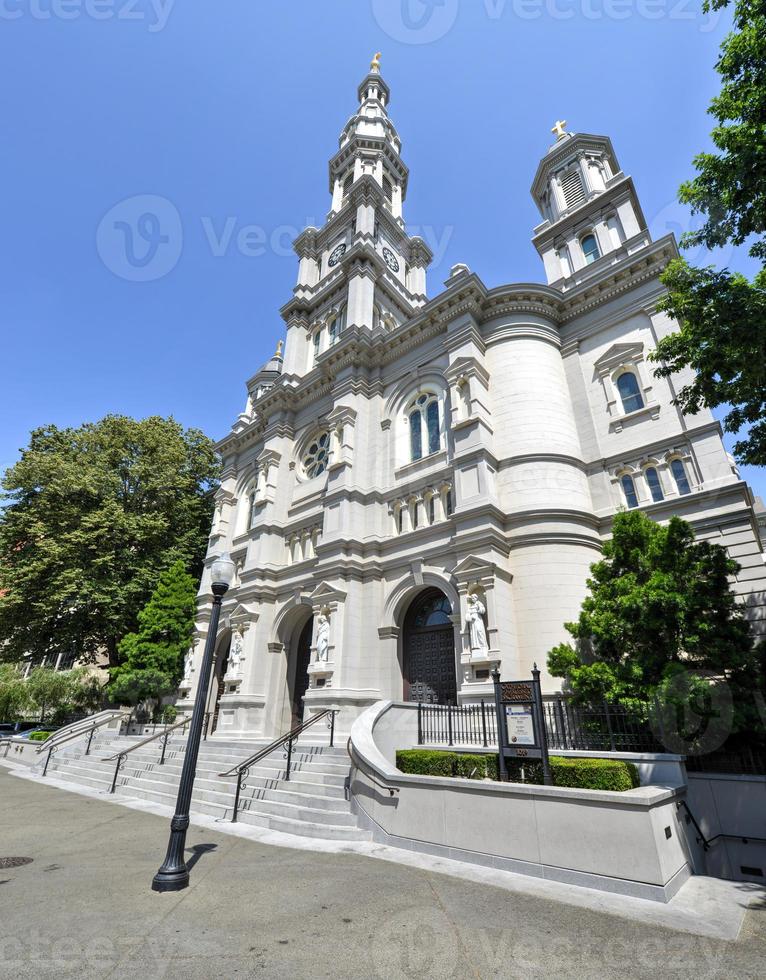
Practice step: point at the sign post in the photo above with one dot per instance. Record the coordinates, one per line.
(520, 723)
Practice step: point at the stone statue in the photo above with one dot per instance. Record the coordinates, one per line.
(323, 638)
(475, 620)
(235, 653)
(188, 661)
(375, 63)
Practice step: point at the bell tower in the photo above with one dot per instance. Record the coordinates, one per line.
(361, 270)
(591, 213)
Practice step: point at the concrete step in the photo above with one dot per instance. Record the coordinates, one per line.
(311, 804)
(286, 821)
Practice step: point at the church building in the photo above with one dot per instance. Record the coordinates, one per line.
(419, 481)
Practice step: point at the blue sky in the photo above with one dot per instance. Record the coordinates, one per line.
(229, 112)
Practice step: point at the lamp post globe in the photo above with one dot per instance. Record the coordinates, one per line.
(173, 875)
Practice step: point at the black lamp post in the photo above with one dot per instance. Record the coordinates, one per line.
(174, 875)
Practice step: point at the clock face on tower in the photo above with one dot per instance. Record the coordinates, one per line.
(336, 254)
(390, 259)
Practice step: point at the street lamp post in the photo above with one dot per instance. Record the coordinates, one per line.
(174, 875)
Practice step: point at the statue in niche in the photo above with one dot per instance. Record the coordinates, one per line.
(323, 638)
(235, 653)
(188, 661)
(477, 632)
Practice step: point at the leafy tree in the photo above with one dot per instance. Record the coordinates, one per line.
(722, 334)
(56, 693)
(94, 515)
(14, 695)
(660, 604)
(152, 657)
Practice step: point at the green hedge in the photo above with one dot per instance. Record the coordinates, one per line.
(610, 774)
(39, 736)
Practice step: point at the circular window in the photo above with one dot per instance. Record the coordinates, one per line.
(316, 456)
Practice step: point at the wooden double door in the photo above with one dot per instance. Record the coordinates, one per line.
(429, 650)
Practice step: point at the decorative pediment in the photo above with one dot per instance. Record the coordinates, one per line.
(325, 594)
(477, 571)
(617, 355)
(466, 367)
(243, 615)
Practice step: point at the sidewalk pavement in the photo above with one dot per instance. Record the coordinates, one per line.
(83, 908)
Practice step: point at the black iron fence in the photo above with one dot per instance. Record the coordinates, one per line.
(604, 727)
(466, 724)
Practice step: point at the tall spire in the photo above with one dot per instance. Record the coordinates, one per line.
(370, 144)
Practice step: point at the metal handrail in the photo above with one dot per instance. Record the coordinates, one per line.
(78, 728)
(164, 735)
(242, 769)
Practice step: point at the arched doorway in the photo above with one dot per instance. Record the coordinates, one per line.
(220, 665)
(298, 672)
(428, 653)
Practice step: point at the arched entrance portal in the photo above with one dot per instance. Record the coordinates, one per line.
(428, 654)
(298, 676)
(217, 687)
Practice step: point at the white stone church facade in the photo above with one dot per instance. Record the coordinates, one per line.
(417, 487)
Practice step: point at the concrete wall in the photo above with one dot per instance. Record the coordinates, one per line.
(631, 843)
(733, 807)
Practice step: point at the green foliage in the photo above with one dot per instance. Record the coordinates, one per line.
(92, 517)
(134, 686)
(14, 694)
(659, 604)
(723, 340)
(721, 314)
(609, 774)
(169, 714)
(152, 657)
(56, 693)
(39, 736)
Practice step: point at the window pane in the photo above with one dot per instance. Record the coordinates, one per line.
(627, 385)
(679, 475)
(416, 441)
(590, 249)
(630, 491)
(653, 480)
(432, 415)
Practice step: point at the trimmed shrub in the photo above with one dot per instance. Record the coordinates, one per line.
(609, 774)
(39, 736)
(425, 762)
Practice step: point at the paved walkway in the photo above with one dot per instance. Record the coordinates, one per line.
(84, 909)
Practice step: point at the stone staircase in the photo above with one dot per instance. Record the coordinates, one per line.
(311, 804)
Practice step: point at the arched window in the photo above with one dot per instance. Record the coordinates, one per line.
(629, 489)
(590, 249)
(316, 457)
(434, 610)
(678, 470)
(630, 393)
(336, 325)
(251, 497)
(425, 432)
(317, 341)
(653, 482)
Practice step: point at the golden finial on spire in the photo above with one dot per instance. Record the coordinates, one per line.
(558, 128)
(279, 349)
(375, 63)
